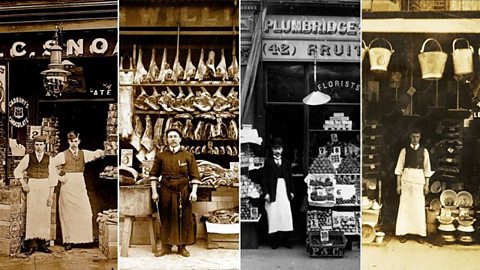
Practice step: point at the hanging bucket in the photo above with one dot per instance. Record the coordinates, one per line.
(364, 50)
(462, 58)
(379, 57)
(432, 63)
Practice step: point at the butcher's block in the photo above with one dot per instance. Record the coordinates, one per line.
(136, 200)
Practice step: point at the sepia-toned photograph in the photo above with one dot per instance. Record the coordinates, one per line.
(300, 134)
(420, 141)
(178, 127)
(58, 136)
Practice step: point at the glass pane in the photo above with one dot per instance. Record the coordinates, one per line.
(285, 82)
(339, 80)
(320, 114)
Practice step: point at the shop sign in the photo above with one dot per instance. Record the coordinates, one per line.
(476, 111)
(34, 132)
(325, 86)
(311, 27)
(18, 112)
(305, 51)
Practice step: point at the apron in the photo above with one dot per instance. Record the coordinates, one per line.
(75, 210)
(278, 212)
(38, 213)
(411, 211)
(176, 230)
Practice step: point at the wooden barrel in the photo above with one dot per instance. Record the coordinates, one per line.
(136, 200)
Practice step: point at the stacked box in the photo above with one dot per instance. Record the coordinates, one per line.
(218, 240)
(12, 220)
(108, 239)
(51, 131)
(338, 122)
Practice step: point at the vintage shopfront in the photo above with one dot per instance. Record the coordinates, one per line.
(87, 104)
(282, 45)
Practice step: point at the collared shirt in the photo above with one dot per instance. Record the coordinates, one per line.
(175, 150)
(39, 156)
(278, 161)
(74, 152)
(414, 147)
(426, 162)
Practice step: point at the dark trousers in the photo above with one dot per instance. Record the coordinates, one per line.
(35, 243)
(280, 238)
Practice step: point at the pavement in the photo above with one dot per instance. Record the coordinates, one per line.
(201, 258)
(84, 259)
(393, 255)
(297, 258)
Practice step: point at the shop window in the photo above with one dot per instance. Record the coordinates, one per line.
(339, 80)
(285, 82)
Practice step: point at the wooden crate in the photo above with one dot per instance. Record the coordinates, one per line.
(109, 250)
(108, 239)
(227, 241)
(10, 195)
(10, 246)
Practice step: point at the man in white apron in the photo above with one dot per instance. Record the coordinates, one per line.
(74, 206)
(39, 196)
(413, 173)
(278, 188)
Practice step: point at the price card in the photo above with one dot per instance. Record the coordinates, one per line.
(34, 131)
(324, 236)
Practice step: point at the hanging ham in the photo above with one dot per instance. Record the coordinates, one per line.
(190, 69)
(199, 130)
(233, 68)
(221, 129)
(125, 100)
(210, 74)
(168, 125)
(188, 132)
(140, 100)
(201, 69)
(221, 71)
(157, 132)
(220, 101)
(141, 72)
(137, 134)
(167, 99)
(147, 138)
(152, 101)
(177, 68)
(203, 100)
(177, 104)
(153, 69)
(233, 100)
(187, 104)
(165, 70)
(232, 132)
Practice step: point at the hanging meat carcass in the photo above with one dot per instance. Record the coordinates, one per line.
(168, 125)
(187, 104)
(166, 72)
(190, 69)
(221, 129)
(232, 130)
(221, 71)
(201, 69)
(229, 150)
(153, 69)
(209, 132)
(141, 72)
(152, 101)
(210, 74)
(140, 100)
(203, 100)
(147, 138)
(183, 116)
(199, 130)
(233, 68)
(233, 100)
(125, 100)
(207, 115)
(177, 104)
(220, 101)
(188, 132)
(167, 99)
(222, 150)
(178, 125)
(157, 132)
(137, 134)
(177, 68)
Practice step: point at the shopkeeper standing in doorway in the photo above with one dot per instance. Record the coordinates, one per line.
(413, 173)
(278, 188)
(177, 173)
(74, 206)
(39, 191)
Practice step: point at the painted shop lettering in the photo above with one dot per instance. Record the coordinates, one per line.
(311, 27)
(338, 84)
(98, 46)
(334, 49)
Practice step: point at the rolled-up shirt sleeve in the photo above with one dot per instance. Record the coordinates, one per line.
(21, 167)
(91, 155)
(400, 162)
(427, 170)
(53, 174)
(193, 172)
(156, 168)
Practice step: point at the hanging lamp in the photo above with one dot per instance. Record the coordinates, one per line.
(316, 97)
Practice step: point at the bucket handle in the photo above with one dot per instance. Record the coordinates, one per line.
(364, 45)
(457, 39)
(427, 40)
(389, 44)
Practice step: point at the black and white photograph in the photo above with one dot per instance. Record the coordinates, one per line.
(58, 136)
(421, 134)
(178, 126)
(300, 134)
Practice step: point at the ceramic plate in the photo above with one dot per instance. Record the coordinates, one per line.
(464, 199)
(368, 233)
(436, 187)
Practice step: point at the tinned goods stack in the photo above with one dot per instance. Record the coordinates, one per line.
(110, 144)
(12, 220)
(50, 129)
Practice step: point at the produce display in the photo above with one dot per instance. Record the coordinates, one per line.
(346, 222)
(109, 172)
(347, 179)
(224, 216)
(318, 219)
(331, 189)
(345, 194)
(215, 175)
(246, 213)
(249, 189)
(321, 164)
(349, 164)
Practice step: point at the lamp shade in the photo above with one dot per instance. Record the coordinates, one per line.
(316, 98)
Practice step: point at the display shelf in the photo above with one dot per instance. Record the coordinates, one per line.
(108, 178)
(160, 112)
(185, 83)
(252, 220)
